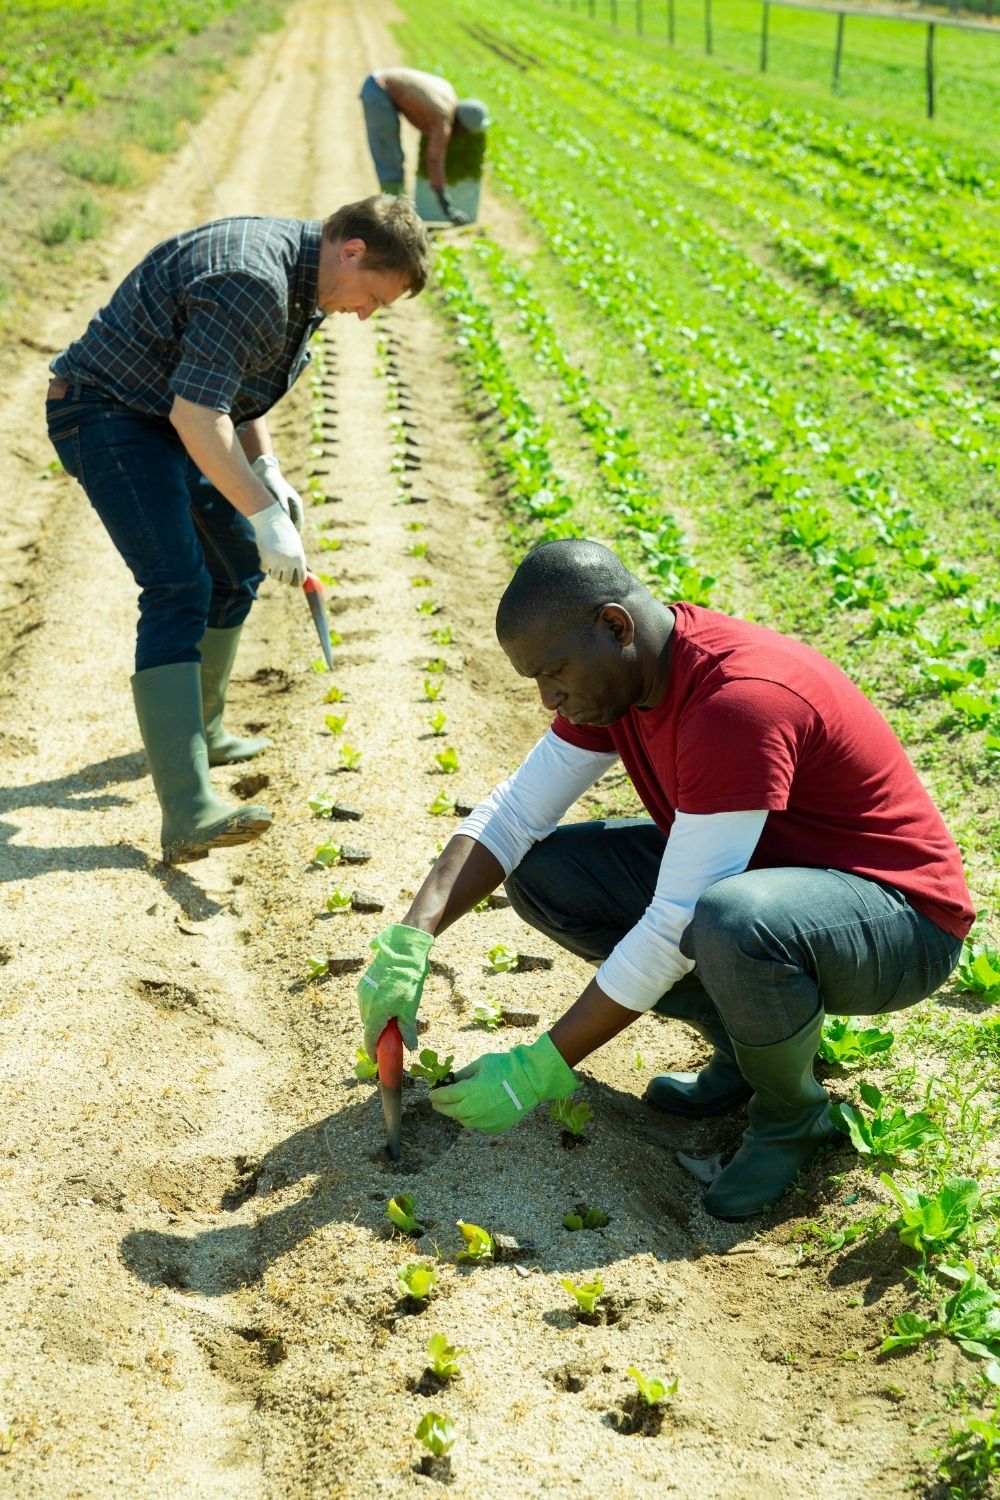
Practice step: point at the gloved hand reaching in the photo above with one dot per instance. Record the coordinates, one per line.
(452, 214)
(279, 544)
(393, 982)
(268, 471)
(497, 1090)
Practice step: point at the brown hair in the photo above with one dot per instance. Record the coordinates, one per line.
(395, 238)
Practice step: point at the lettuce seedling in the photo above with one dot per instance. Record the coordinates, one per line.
(928, 1222)
(436, 1433)
(572, 1117)
(572, 1221)
(442, 804)
(420, 583)
(432, 689)
(884, 1134)
(586, 1295)
(350, 758)
(447, 760)
(502, 958)
(435, 666)
(320, 806)
(437, 720)
(442, 1357)
(595, 1218)
(431, 1067)
(335, 723)
(979, 970)
(443, 637)
(488, 1015)
(399, 1212)
(330, 544)
(364, 1066)
(318, 664)
(418, 1282)
(317, 967)
(653, 1390)
(334, 695)
(339, 900)
(328, 854)
(428, 607)
(842, 1044)
(478, 1244)
(417, 549)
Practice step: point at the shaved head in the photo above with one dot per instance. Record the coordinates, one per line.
(560, 587)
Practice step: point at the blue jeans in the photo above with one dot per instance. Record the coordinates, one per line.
(382, 124)
(191, 553)
(770, 947)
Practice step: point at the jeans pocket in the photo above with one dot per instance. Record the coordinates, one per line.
(920, 982)
(67, 446)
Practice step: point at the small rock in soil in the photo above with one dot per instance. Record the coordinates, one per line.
(498, 901)
(519, 1017)
(353, 856)
(465, 805)
(528, 963)
(506, 1247)
(345, 965)
(342, 812)
(363, 901)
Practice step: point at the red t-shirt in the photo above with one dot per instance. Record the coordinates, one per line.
(754, 720)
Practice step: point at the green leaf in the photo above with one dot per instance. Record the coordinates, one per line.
(431, 1067)
(442, 1357)
(478, 1244)
(652, 1390)
(586, 1295)
(399, 1212)
(418, 1282)
(437, 1433)
(502, 958)
(364, 1066)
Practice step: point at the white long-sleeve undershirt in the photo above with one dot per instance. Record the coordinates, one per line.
(702, 848)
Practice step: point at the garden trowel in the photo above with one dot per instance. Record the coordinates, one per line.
(316, 596)
(389, 1056)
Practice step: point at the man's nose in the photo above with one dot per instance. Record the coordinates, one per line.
(550, 695)
(364, 314)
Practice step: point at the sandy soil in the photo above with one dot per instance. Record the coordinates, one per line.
(199, 1295)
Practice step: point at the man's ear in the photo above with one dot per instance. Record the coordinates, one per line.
(616, 619)
(352, 250)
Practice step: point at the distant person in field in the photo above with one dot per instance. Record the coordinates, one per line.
(432, 107)
(792, 863)
(159, 410)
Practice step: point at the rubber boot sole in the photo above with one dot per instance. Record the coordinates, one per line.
(238, 828)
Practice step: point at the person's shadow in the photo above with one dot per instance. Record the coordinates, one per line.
(87, 791)
(345, 1156)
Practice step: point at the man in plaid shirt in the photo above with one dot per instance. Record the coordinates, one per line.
(159, 411)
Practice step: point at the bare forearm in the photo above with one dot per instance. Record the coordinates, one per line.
(255, 439)
(590, 1022)
(211, 439)
(465, 872)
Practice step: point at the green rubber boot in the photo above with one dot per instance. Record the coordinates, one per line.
(720, 1086)
(789, 1120)
(168, 707)
(218, 652)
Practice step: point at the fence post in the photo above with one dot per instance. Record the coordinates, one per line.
(708, 27)
(838, 50)
(670, 22)
(930, 70)
(763, 37)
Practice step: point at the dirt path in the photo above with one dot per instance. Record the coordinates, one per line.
(198, 1299)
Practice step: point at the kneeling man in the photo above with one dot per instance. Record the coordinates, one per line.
(792, 862)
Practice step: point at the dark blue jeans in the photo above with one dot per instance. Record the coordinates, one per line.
(770, 947)
(191, 553)
(382, 125)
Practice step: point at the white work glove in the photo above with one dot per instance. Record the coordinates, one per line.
(279, 544)
(268, 471)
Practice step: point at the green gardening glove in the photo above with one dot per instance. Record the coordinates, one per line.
(497, 1090)
(392, 983)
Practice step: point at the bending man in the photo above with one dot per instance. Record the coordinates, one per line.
(432, 107)
(159, 412)
(792, 863)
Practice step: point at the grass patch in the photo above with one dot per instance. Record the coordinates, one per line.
(79, 218)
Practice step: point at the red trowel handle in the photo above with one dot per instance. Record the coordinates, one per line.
(389, 1056)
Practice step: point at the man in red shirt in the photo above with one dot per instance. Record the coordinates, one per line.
(792, 864)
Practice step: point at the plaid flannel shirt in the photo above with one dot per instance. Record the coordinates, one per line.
(221, 315)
